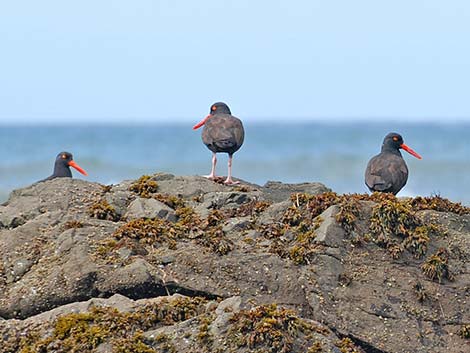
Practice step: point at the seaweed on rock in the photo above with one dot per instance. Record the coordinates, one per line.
(104, 211)
(84, 332)
(207, 232)
(436, 267)
(145, 186)
(395, 225)
(272, 329)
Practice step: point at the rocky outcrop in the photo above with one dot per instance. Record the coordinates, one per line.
(305, 272)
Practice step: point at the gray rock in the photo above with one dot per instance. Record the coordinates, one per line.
(354, 287)
(167, 259)
(125, 253)
(131, 280)
(226, 200)
(117, 301)
(150, 208)
(234, 225)
(104, 348)
(119, 200)
(189, 186)
(163, 177)
(218, 200)
(274, 212)
(20, 267)
(277, 192)
(330, 233)
(220, 338)
(65, 242)
(224, 312)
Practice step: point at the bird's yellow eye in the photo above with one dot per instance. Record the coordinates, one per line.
(64, 156)
(395, 138)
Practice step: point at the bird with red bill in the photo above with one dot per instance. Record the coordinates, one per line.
(387, 171)
(63, 162)
(222, 133)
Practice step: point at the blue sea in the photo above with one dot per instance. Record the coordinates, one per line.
(335, 154)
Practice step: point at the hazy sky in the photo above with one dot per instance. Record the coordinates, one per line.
(161, 60)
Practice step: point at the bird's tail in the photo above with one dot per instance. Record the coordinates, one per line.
(225, 143)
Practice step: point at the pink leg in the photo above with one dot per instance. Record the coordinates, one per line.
(214, 162)
(229, 180)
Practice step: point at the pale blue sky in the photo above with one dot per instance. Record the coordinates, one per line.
(163, 60)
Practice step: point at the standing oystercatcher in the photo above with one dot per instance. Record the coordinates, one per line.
(387, 171)
(222, 133)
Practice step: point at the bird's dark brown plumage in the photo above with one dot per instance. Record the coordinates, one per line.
(223, 133)
(387, 171)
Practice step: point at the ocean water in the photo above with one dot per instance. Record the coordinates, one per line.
(335, 154)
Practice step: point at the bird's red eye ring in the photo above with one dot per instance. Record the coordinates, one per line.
(64, 156)
(395, 138)
(214, 107)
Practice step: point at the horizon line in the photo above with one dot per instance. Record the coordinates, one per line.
(262, 120)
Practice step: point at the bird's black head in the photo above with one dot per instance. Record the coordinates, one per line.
(392, 141)
(63, 162)
(219, 108)
(216, 108)
(64, 157)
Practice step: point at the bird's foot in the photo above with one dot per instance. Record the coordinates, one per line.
(230, 181)
(210, 177)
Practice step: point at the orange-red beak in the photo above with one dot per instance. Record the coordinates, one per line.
(77, 167)
(410, 151)
(202, 122)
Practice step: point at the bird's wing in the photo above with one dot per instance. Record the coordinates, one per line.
(375, 177)
(382, 176)
(237, 130)
(223, 131)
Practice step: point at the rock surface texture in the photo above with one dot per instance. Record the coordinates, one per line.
(183, 264)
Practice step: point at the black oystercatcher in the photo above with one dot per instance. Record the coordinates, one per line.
(222, 133)
(387, 171)
(62, 165)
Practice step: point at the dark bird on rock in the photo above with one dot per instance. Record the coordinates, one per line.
(387, 171)
(63, 162)
(222, 133)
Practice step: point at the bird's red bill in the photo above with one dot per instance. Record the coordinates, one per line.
(410, 151)
(77, 167)
(202, 122)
